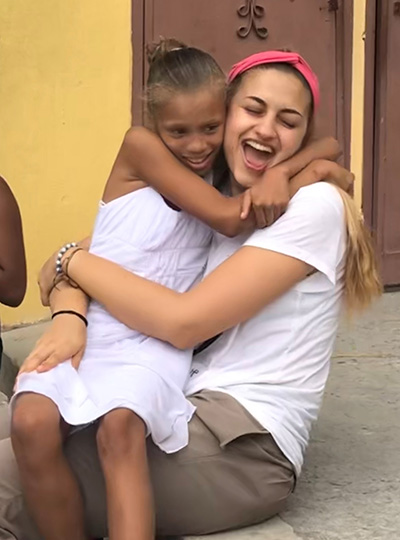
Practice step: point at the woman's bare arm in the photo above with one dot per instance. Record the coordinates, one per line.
(12, 253)
(232, 293)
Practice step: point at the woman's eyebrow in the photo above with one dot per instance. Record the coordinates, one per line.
(258, 100)
(291, 111)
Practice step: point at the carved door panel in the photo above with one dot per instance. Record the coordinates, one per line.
(386, 184)
(320, 30)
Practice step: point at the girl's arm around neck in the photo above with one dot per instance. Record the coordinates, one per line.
(232, 293)
(325, 148)
(145, 157)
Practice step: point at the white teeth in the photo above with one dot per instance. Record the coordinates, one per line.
(260, 147)
(197, 161)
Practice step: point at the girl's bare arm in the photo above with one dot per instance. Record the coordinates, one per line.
(143, 157)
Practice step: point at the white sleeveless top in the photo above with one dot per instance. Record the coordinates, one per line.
(122, 367)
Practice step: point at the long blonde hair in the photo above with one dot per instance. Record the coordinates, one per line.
(362, 283)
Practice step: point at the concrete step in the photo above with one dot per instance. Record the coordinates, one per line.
(274, 529)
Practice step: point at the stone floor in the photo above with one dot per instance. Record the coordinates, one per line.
(350, 487)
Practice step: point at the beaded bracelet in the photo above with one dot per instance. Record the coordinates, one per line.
(60, 254)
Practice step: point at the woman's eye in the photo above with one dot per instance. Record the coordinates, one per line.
(253, 110)
(287, 124)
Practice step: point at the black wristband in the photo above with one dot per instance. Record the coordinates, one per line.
(71, 312)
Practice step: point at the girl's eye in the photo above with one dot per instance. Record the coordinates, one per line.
(212, 128)
(177, 132)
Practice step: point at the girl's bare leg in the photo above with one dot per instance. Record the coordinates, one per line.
(50, 488)
(121, 441)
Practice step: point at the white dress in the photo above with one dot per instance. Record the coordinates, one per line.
(121, 367)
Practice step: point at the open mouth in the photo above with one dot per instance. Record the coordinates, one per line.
(257, 156)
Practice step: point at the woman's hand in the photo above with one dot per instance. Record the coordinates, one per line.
(268, 198)
(64, 340)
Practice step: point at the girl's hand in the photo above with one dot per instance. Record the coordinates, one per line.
(335, 173)
(323, 170)
(64, 340)
(47, 273)
(268, 198)
(46, 278)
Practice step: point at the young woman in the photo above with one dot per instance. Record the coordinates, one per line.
(275, 295)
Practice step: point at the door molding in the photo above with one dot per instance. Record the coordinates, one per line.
(344, 50)
(138, 54)
(370, 96)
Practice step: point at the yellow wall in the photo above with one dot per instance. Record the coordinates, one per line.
(65, 90)
(357, 116)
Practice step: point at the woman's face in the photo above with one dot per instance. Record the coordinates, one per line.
(266, 123)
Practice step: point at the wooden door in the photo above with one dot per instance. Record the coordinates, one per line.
(320, 30)
(384, 190)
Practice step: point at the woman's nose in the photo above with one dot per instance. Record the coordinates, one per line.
(266, 128)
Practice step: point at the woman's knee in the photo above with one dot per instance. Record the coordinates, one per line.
(120, 432)
(34, 419)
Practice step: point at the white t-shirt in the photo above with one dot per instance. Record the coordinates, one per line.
(276, 364)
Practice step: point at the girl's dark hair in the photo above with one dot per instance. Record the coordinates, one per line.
(175, 67)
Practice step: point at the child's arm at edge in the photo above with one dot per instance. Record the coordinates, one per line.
(12, 251)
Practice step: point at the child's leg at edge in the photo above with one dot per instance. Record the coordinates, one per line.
(121, 442)
(50, 488)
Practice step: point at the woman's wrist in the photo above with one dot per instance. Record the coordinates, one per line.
(70, 312)
(64, 296)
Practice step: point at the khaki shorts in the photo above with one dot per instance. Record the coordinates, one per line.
(231, 474)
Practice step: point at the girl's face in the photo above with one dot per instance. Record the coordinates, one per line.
(266, 123)
(191, 124)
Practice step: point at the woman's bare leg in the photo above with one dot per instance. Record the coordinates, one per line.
(50, 488)
(121, 441)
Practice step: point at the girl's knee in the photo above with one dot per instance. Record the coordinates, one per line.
(34, 418)
(120, 432)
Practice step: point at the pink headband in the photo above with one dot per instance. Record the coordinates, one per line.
(279, 57)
